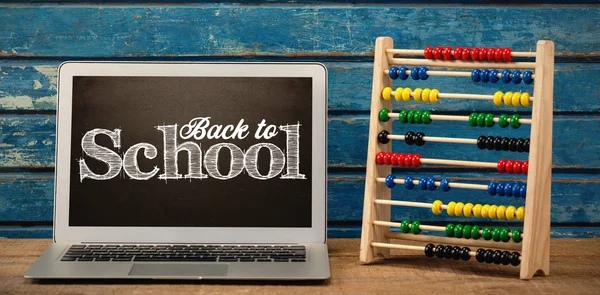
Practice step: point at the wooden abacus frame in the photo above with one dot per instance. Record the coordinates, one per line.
(535, 251)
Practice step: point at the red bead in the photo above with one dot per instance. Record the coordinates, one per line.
(428, 52)
(408, 160)
(498, 54)
(457, 52)
(508, 167)
(483, 53)
(401, 159)
(517, 167)
(379, 158)
(394, 159)
(416, 160)
(506, 54)
(525, 167)
(466, 53)
(475, 53)
(447, 53)
(500, 166)
(387, 158)
(437, 52)
(491, 54)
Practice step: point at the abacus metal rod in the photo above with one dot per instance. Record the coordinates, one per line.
(437, 139)
(421, 227)
(461, 64)
(459, 118)
(482, 187)
(461, 96)
(421, 52)
(452, 74)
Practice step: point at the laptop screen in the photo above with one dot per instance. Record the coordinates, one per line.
(191, 152)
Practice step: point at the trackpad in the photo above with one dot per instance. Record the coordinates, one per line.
(178, 270)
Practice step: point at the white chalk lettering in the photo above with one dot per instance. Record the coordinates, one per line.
(130, 163)
(197, 128)
(236, 164)
(292, 151)
(275, 166)
(91, 149)
(171, 150)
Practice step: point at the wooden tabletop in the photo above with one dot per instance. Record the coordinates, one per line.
(575, 268)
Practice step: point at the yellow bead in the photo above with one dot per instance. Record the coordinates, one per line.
(521, 213)
(492, 212)
(398, 94)
(433, 95)
(515, 99)
(425, 94)
(387, 93)
(436, 207)
(417, 95)
(458, 209)
(477, 210)
(500, 212)
(468, 210)
(485, 210)
(508, 98)
(510, 212)
(406, 94)
(525, 99)
(450, 209)
(498, 98)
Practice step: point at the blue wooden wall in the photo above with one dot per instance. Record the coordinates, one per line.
(35, 36)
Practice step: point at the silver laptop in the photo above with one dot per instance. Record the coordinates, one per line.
(189, 171)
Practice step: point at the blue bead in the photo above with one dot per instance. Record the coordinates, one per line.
(423, 73)
(393, 72)
(402, 73)
(516, 78)
(527, 77)
(493, 75)
(508, 189)
(414, 73)
(431, 183)
(475, 75)
(484, 75)
(523, 190)
(506, 76)
(408, 182)
(500, 188)
(445, 184)
(389, 181)
(423, 183)
(492, 188)
(516, 190)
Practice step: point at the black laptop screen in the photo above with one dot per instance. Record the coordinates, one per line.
(191, 151)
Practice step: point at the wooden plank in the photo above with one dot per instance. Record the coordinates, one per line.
(100, 31)
(31, 86)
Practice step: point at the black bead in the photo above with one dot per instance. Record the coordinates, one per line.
(505, 258)
(456, 250)
(439, 251)
(489, 143)
(512, 145)
(382, 137)
(419, 138)
(498, 143)
(448, 252)
(481, 142)
(489, 256)
(520, 145)
(526, 145)
(429, 250)
(464, 254)
(409, 138)
(514, 258)
(504, 143)
(479, 255)
(497, 256)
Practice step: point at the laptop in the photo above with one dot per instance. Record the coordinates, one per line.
(189, 171)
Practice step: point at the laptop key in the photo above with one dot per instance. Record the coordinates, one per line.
(67, 258)
(102, 259)
(85, 259)
(281, 260)
(122, 259)
(263, 260)
(77, 246)
(227, 259)
(298, 260)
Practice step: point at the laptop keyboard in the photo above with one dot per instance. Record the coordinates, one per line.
(187, 253)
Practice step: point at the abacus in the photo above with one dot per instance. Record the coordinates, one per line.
(527, 248)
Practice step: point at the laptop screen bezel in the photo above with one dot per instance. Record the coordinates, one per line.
(315, 234)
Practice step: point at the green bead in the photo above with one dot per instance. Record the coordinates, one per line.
(503, 121)
(475, 232)
(410, 116)
(425, 117)
(414, 227)
(383, 115)
(402, 116)
(404, 226)
(473, 119)
(496, 234)
(417, 117)
(489, 120)
(514, 121)
(504, 235)
(487, 233)
(481, 120)
(449, 230)
(467, 231)
(516, 236)
(458, 231)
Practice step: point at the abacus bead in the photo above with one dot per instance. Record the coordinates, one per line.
(387, 93)
(514, 259)
(389, 181)
(428, 52)
(510, 212)
(393, 72)
(503, 120)
(489, 120)
(382, 137)
(489, 256)
(447, 53)
(423, 73)
(436, 207)
(516, 236)
(527, 77)
(484, 75)
(506, 54)
(500, 212)
(426, 117)
(508, 189)
(434, 95)
(490, 54)
(410, 116)
(487, 233)
(481, 119)
(473, 119)
(418, 116)
(425, 94)
(492, 212)
(520, 213)
(406, 94)
(504, 235)
(493, 76)
(468, 210)
(423, 183)
(414, 227)
(489, 143)
(515, 99)
(514, 121)
(475, 75)
(516, 78)
(523, 189)
(431, 184)
(402, 116)
(400, 159)
(409, 138)
(464, 254)
(520, 145)
(475, 232)
(479, 255)
(505, 76)
(398, 94)
(500, 188)
(477, 210)
(497, 256)
(498, 98)
(496, 234)
(500, 166)
(404, 226)
(457, 53)
(437, 52)
(512, 145)
(498, 54)
(492, 188)
(516, 189)
(429, 250)
(414, 73)
(458, 231)
(508, 98)
(416, 160)
(402, 73)
(379, 158)
(466, 231)
(394, 159)
(483, 53)
(458, 209)
(525, 99)
(505, 258)
(456, 250)
(448, 252)
(407, 160)
(466, 53)
(450, 208)
(383, 115)
(439, 251)
(475, 53)
(417, 94)
(445, 184)
(419, 138)
(525, 167)
(504, 143)
(498, 143)
(450, 230)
